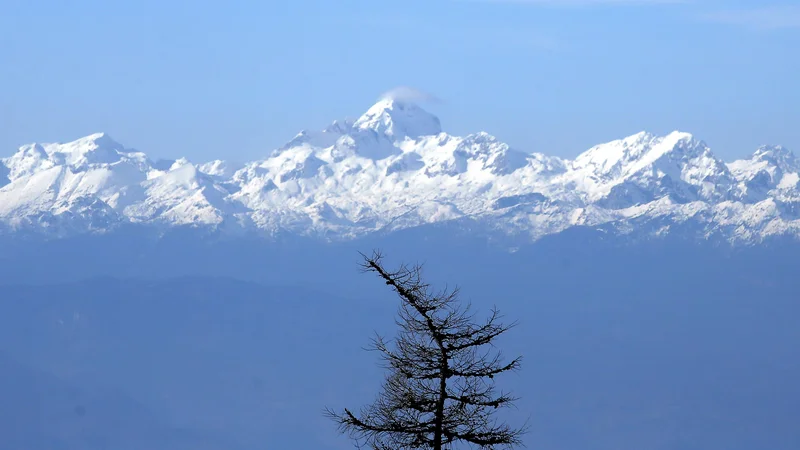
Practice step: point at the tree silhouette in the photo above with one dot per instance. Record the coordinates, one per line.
(441, 367)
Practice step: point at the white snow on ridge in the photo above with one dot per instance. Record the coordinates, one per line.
(398, 120)
(395, 168)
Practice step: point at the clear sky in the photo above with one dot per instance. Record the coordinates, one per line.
(235, 79)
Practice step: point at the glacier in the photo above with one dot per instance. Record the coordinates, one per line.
(394, 168)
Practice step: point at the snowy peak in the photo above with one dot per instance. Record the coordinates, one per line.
(95, 141)
(398, 120)
(612, 158)
(183, 196)
(94, 150)
(28, 160)
(219, 168)
(492, 154)
(377, 135)
(339, 127)
(394, 168)
(65, 186)
(318, 139)
(98, 148)
(644, 167)
(624, 157)
(778, 156)
(772, 171)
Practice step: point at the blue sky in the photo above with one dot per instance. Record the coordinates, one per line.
(236, 79)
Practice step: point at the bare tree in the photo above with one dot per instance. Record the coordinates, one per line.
(441, 367)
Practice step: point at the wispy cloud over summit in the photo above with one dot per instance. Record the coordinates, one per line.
(409, 94)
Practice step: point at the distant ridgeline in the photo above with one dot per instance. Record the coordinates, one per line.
(395, 169)
(660, 344)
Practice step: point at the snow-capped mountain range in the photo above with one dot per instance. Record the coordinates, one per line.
(394, 168)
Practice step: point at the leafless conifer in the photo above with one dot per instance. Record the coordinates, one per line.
(440, 390)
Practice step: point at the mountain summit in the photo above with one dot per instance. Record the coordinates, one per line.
(394, 168)
(398, 119)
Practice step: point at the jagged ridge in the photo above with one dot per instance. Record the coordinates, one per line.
(394, 168)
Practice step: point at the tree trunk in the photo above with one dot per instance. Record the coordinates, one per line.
(439, 419)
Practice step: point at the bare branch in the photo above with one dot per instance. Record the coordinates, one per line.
(441, 368)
